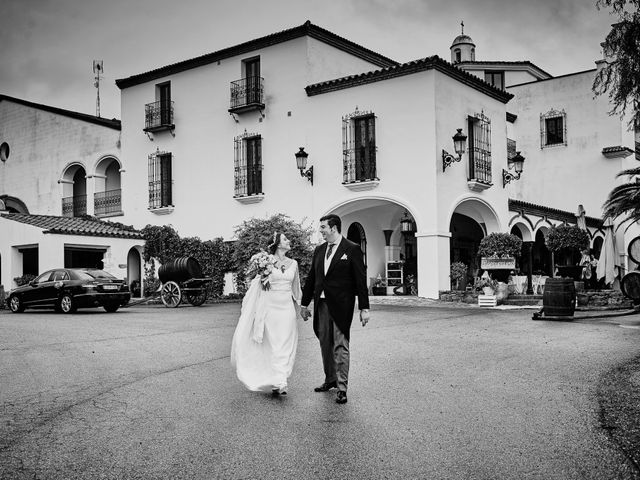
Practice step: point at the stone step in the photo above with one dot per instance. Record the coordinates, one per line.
(523, 300)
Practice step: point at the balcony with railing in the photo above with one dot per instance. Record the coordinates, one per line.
(158, 116)
(359, 167)
(247, 94)
(75, 206)
(108, 203)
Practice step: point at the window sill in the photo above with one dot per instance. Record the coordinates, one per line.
(478, 186)
(362, 186)
(248, 199)
(119, 213)
(162, 210)
(159, 128)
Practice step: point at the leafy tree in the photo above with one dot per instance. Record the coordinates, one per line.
(621, 47)
(256, 234)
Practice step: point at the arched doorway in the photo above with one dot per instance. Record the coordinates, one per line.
(108, 193)
(134, 272)
(375, 224)
(466, 234)
(74, 191)
(356, 235)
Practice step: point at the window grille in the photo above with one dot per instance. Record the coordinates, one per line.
(553, 128)
(248, 165)
(160, 180)
(479, 128)
(359, 147)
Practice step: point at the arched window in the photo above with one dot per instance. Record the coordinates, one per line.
(356, 235)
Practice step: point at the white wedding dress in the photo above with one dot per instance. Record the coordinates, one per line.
(264, 344)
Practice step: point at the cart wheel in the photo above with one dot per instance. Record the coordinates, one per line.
(170, 294)
(197, 298)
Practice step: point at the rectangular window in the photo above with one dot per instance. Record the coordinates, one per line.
(160, 180)
(252, 79)
(553, 128)
(359, 147)
(163, 95)
(248, 165)
(479, 128)
(494, 78)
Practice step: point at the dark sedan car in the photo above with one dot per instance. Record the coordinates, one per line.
(67, 289)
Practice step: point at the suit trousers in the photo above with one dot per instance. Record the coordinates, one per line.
(334, 348)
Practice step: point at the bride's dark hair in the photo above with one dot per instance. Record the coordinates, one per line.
(275, 241)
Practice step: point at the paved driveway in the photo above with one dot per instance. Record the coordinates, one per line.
(435, 393)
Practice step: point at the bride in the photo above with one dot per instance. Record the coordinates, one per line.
(264, 344)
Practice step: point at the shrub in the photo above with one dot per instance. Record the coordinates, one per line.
(257, 233)
(24, 279)
(569, 237)
(500, 245)
(458, 271)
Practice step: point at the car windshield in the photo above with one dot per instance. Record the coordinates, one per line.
(93, 275)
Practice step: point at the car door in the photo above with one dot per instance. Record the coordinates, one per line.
(37, 291)
(51, 293)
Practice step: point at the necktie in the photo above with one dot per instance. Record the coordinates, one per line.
(331, 245)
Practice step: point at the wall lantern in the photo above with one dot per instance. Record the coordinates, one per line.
(517, 163)
(301, 161)
(406, 224)
(459, 145)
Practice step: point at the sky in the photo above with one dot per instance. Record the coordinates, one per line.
(47, 46)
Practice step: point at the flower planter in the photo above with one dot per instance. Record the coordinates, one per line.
(497, 263)
(487, 290)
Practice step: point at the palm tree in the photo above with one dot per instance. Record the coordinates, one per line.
(624, 200)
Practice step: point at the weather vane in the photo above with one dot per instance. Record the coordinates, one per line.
(462, 25)
(97, 69)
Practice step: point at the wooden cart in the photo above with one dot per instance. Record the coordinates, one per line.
(182, 279)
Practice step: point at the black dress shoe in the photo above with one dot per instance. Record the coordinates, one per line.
(342, 397)
(325, 387)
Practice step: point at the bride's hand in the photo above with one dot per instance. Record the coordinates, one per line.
(305, 313)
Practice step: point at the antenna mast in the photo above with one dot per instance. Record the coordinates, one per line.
(97, 69)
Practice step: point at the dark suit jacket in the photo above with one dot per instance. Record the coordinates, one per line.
(346, 278)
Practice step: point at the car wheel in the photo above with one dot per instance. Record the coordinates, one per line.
(15, 304)
(111, 307)
(67, 304)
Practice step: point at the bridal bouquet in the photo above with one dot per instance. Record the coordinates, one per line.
(261, 264)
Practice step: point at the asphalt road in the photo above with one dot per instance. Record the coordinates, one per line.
(435, 393)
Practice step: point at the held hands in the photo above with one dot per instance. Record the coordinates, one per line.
(305, 313)
(364, 317)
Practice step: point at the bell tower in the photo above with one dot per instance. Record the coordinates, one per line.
(463, 49)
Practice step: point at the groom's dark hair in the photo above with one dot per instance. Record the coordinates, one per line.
(333, 221)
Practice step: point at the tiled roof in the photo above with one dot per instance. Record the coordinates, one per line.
(307, 28)
(74, 225)
(430, 63)
(113, 123)
(504, 63)
(548, 212)
(617, 148)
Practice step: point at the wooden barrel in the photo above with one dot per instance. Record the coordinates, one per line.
(559, 297)
(630, 285)
(180, 269)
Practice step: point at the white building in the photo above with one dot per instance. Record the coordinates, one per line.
(57, 166)
(211, 141)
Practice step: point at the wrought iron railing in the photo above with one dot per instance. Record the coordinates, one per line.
(359, 164)
(75, 206)
(160, 194)
(158, 115)
(247, 91)
(248, 180)
(480, 167)
(107, 202)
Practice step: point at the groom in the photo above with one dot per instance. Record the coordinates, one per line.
(336, 277)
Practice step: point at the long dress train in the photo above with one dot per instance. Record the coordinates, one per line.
(264, 343)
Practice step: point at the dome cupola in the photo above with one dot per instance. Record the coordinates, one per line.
(463, 49)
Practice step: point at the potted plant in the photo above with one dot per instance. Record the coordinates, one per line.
(379, 287)
(486, 284)
(458, 275)
(566, 242)
(498, 252)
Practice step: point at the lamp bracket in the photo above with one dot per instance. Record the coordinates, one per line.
(507, 177)
(308, 173)
(448, 159)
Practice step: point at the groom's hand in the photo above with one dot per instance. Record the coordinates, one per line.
(305, 313)
(364, 316)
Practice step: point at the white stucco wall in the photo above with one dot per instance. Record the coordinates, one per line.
(42, 144)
